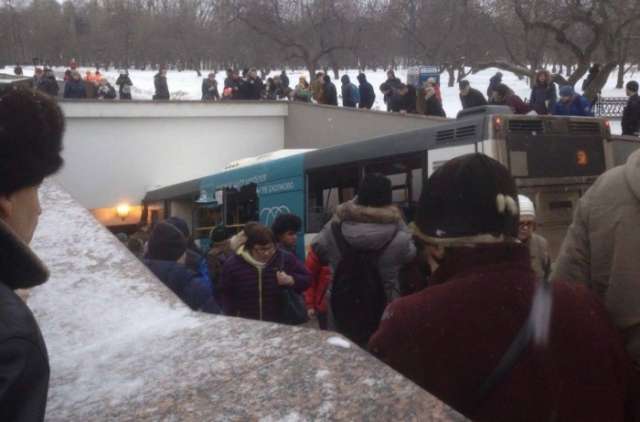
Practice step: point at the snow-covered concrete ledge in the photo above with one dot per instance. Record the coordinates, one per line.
(123, 347)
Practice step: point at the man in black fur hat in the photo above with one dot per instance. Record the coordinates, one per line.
(31, 129)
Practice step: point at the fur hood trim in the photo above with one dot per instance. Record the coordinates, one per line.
(20, 268)
(350, 211)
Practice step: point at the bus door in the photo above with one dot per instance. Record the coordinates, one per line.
(554, 160)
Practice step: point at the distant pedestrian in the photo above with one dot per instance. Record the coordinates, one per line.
(17, 70)
(330, 94)
(350, 93)
(631, 114)
(75, 87)
(433, 104)
(433, 83)
(124, 85)
(572, 104)
(493, 84)
(210, 88)
(391, 85)
(285, 229)
(317, 88)
(543, 94)
(284, 79)
(48, 83)
(302, 92)
(537, 245)
(470, 97)
(403, 99)
(367, 94)
(38, 73)
(503, 95)
(251, 88)
(161, 86)
(105, 90)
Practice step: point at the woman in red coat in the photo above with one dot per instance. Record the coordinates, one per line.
(452, 338)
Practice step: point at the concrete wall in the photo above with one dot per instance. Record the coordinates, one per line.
(115, 152)
(314, 126)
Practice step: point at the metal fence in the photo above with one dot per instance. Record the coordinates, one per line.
(611, 107)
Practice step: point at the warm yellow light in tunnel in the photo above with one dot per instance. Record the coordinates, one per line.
(123, 211)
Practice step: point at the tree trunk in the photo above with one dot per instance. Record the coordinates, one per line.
(621, 72)
(452, 76)
(595, 87)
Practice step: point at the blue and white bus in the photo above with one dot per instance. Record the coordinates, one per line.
(553, 160)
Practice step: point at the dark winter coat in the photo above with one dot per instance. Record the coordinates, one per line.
(578, 106)
(329, 94)
(369, 229)
(367, 94)
(24, 362)
(106, 92)
(124, 87)
(493, 84)
(193, 289)
(631, 116)
(75, 89)
(251, 89)
(284, 79)
(403, 102)
(162, 89)
(543, 98)
(433, 107)
(49, 85)
(249, 292)
(449, 337)
(473, 99)
(210, 90)
(515, 103)
(388, 87)
(350, 95)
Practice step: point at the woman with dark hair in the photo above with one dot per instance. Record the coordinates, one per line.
(543, 94)
(253, 282)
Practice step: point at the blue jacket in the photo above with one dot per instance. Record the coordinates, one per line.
(543, 98)
(75, 89)
(350, 95)
(192, 288)
(579, 106)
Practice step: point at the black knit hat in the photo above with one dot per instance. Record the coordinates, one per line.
(31, 130)
(471, 199)
(375, 191)
(219, 234)
(167, 243)
(180, 224)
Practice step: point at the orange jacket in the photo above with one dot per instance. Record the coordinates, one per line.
(315, 295)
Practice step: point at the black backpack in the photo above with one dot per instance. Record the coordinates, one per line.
(358, 297)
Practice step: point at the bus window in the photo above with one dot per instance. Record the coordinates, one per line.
(406, 174)
(241, 206)
(327, 188)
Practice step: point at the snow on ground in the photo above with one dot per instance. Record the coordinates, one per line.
(186, 85)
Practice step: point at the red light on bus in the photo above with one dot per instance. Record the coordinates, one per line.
(582, 159)
(497, 123)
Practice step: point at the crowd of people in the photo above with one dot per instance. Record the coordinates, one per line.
(463, 301)
(424, 99)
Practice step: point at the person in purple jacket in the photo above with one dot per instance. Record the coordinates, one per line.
(253, 281)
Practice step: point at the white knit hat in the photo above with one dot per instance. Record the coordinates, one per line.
(526, 206)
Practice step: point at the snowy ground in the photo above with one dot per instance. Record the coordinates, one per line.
(186, 85)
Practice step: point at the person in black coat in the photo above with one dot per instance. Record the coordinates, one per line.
(403, 100)
(210, 88)
(367, 94)
(330, 92)
(388, 87)
(124, 85)
(30, 147)
(74, 88)
(493, 84)
(105, 90)
(165, 257)
(470, 97)
(544, 94)
(631, 114)
(252, 87)
(284, 79)
(433, 104)
(160, 83)
(48, 83)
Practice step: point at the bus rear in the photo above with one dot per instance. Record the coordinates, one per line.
(554, 160)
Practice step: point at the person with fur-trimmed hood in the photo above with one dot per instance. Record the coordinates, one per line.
(32, 127)
(543, 94)
(487, 337)
(369, 223)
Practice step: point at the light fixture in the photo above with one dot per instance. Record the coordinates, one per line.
(123, 211)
